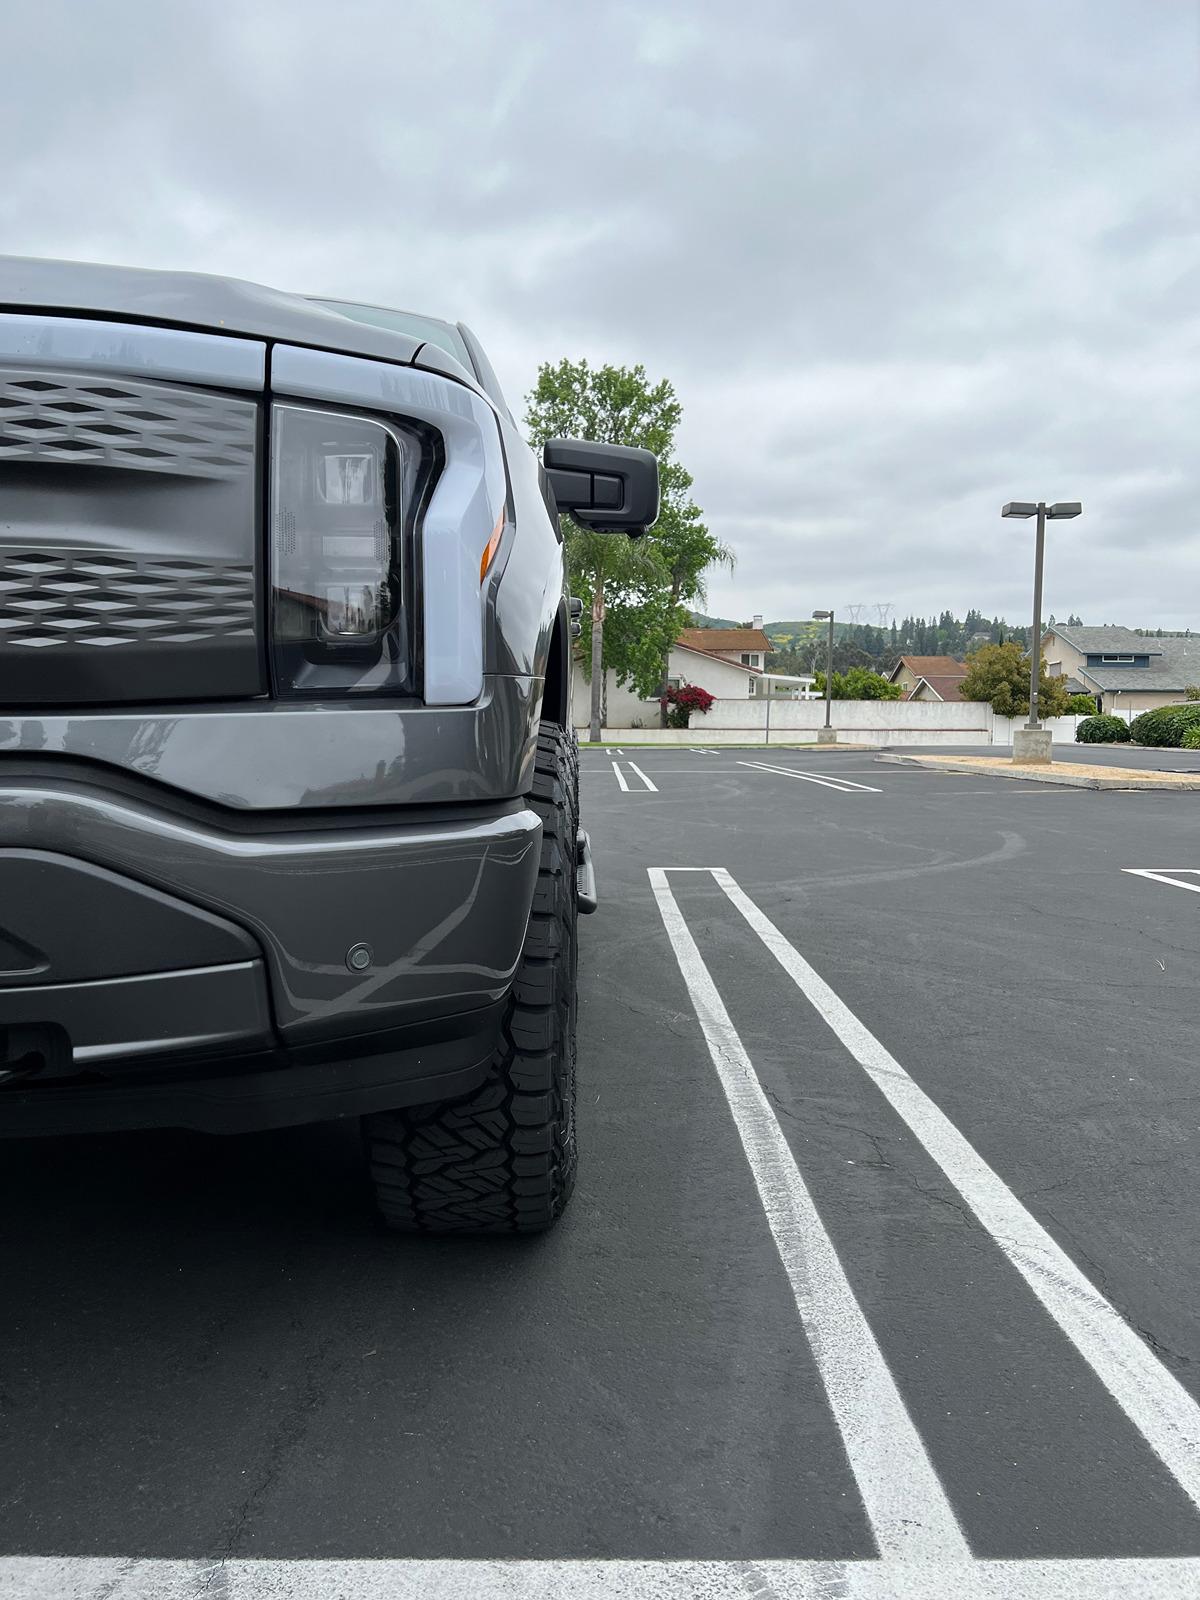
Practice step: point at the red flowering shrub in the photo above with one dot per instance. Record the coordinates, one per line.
(681, 702)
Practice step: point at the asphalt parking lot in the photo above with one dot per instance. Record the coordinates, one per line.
(881, 1277)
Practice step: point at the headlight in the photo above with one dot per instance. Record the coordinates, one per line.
(340, 607)
(409, 466)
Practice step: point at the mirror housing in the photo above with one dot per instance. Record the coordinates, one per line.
(606, 488)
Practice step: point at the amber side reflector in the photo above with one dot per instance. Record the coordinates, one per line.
(493, 544)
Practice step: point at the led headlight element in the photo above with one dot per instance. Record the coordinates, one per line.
(346, 480)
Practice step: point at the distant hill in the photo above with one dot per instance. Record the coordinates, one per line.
(699, 620)
(801, 628)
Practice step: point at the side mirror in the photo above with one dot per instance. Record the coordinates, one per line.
(607, 488)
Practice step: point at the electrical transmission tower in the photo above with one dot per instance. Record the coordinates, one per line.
(854, 613)
(883, 613)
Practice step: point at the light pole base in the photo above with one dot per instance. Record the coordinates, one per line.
(826, 735)
(1032, 747)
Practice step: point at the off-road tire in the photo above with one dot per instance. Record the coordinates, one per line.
(502, 1159)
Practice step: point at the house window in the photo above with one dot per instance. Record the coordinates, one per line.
(673, 683)
(747, 659)
(1124, 661)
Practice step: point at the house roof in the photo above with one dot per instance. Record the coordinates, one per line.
(930, 666)
(1110, 641)
(945, 685)
(738, 666)
(1174, 663)
(710, 641)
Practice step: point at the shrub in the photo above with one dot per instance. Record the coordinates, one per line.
(1165, 726)
(1102, 730)
(1191, 739)
(1081, 705)
(683, 701)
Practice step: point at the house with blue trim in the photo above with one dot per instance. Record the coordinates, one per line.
(1122, 670)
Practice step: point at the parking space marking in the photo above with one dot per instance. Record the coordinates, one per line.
(650, 788)
(1153, 1399)
(241, 1578)
(826, 779)
(905, 1503)
(1174, 877)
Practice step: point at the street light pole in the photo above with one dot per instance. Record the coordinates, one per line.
(827, 736)
(1035, 642)
(1033, 742)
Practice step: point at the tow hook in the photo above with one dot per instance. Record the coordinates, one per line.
(585, 875)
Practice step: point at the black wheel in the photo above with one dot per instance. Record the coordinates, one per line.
(502, 1159)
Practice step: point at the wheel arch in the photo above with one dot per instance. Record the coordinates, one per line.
(556, 689)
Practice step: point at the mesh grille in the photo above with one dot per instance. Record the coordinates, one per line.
(96, 597)
(121, 423)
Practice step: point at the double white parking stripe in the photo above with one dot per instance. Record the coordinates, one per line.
(907, 1506)
(826, 779)
(901, 1492)
(652, 788)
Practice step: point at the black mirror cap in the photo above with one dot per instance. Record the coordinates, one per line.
(606, 488)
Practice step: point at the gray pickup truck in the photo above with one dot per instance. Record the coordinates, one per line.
(288, 787)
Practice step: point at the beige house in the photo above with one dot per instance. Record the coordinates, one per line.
(929, 677)
(1123, 671)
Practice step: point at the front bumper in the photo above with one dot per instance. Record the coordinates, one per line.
(135, 931)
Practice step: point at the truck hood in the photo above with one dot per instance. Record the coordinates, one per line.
(201, 301)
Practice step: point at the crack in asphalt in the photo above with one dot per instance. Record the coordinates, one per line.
(1101, 1278)
(289, 1434)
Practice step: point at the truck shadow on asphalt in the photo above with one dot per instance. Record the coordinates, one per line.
(190, 1323)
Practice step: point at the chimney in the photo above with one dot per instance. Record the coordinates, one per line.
(757, 622)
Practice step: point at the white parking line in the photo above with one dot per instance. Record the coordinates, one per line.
(825, 779)
(1151, 1397)
(1176, 877)
(907, 1507)
(119, 1578)
(624, 782)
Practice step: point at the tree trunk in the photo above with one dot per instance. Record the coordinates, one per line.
(666, 666)
(597, 658)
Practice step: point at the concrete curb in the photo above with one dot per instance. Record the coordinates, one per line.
(1066, 780)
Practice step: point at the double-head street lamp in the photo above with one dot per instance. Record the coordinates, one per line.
(821, 616)
(1026, 508)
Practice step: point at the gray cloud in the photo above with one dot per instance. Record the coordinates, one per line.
(902, 263)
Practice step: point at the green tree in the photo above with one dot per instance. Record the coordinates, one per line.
(999, 673)
(640, 589)
(859, 683)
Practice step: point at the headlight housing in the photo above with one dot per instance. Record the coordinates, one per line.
(342, 611)
(451, 510)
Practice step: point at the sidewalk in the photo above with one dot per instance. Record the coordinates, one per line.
(1074, 774)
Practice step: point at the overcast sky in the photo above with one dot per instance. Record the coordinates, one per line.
(902, 262)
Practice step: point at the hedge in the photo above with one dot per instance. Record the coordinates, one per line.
(1166, 725)
(1102, 730)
